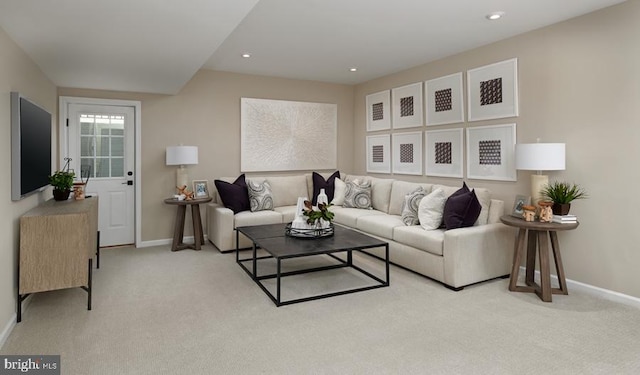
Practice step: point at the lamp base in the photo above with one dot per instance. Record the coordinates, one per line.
(538, 182)
(182, 179)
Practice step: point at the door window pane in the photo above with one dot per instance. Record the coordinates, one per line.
(117, 167)
(117, 146)
(86, 167)
(102, 145)
(86, 146)
(102, 167)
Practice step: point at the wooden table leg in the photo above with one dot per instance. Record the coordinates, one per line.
(198, 237)
(178, 230)
(531, 257)
(555, 247)
(517, 258)
(545, 272)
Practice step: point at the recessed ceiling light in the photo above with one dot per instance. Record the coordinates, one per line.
(353, 69)
(246, 55)
(495, 16)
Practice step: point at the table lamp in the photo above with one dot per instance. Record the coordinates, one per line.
(182, 155)
(540, 157)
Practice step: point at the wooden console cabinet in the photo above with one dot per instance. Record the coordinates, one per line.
(57, 242)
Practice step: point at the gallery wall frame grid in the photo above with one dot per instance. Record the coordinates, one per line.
(491, 152)
(492, 91)
(407, 153)
(444, 103)
(379, 153)
(444, 153)
(378, 111)
(406, 106)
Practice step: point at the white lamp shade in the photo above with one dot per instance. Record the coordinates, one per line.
(540, 156)
(182, 155)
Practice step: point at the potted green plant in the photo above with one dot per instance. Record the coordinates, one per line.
(316, 217)
(62, 182)
(562, 194)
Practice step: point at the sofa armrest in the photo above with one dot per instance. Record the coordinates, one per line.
(220, 227)
(477, 253)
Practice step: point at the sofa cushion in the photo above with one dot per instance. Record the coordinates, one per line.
(260, 196)
(431, 209)
(234, 195)
(287, 189)
(358, 195)
(380, 191)
(431, 241)
(320, 183)
(379, 225)
(350, 216)
(410, 206)
(461, 210)
(399, 189)
(339, 192)
(248, 218)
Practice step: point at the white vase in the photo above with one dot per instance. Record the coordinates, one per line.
(322, 197)
(300, 221)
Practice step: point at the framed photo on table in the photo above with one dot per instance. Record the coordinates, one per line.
(521, 200)
(493, 91)
(491, 152)
(200, 189)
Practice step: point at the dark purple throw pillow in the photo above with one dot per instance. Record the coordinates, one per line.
(461, 210)
(320, 183)
(234, 196)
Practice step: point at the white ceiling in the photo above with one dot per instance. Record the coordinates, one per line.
(157, 45)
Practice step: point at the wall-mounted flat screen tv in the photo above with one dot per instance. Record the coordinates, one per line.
(30, 147)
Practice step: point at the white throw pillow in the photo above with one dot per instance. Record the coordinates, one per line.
(431, 209)
(338, 192)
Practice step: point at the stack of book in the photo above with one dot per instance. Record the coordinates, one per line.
(564, 219)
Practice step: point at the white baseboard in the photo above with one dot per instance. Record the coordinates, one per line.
(4, 335)
(607, 294)
(166, 241)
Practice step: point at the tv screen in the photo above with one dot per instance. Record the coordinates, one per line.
(30, 147)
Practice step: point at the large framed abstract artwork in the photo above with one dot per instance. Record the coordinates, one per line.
(490, 152)
(444, 153)
(493, 91)
(407, 106)
(443, 100)
(280, 135)
(378, 111)
(407, 153)
(378, 153)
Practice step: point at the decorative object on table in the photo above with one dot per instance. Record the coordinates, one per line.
(185, 193)
(181, 156)
(540, 157)
(493, 91)
(562, 194)
(311, 222)
(407, 106)
(379, 153)
(490, 152)
(443, 102)
(407, 153)
(378, 111)
(546, 212)
(444, 153)
(322, 198)
(518, 204)
(281, 135)
(528, 212)
(200, 189)
(62, 182)
(78, 190)
(565, 219)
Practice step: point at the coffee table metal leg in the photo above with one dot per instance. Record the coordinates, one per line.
(386, 255)
(278, 283)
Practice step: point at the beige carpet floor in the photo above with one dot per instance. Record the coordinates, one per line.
(158, 312)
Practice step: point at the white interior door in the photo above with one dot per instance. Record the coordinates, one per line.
(101, 145)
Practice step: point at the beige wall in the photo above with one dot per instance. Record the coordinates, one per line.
(206, 113)
(17, 73)
(579, 83)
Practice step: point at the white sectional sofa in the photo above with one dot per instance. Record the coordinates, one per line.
(456, 257)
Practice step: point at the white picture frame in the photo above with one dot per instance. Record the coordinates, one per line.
(407, 153)
(282, 135)
(379, 153)
(378, 111)
(407, 106)
(200, 188)
(493, 91)
(490, 152)
(444, 103)
(444, 153)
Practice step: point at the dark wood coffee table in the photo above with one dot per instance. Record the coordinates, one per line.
(272, 239)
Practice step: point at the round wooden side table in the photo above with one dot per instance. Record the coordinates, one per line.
(178, 231)
(539, 236)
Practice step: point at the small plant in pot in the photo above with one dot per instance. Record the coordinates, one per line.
(562, 194)
(62, 182)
